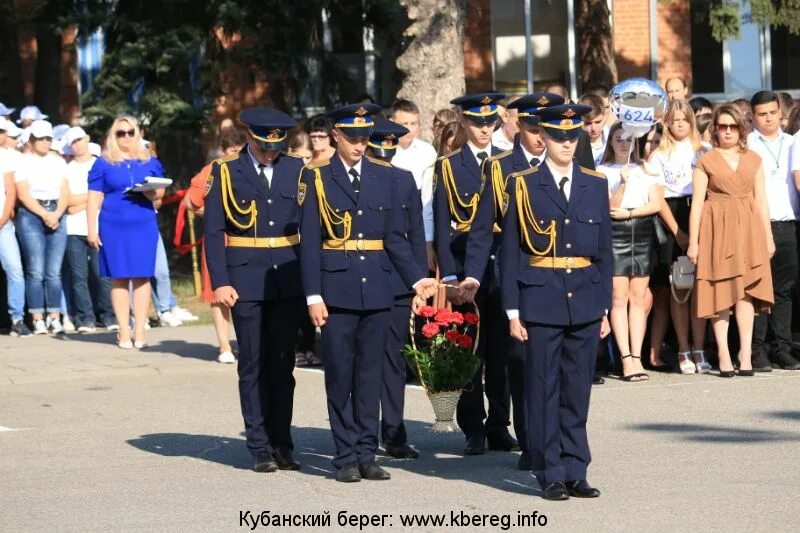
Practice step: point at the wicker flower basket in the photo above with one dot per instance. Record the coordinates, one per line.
(444, 407)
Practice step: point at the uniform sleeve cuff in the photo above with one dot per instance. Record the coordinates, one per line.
(513, 314)
(449, 278)
(313, 299)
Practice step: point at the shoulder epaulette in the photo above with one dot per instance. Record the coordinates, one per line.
(442, 158)
(226, 159)
(501, 155)
(525, 172)
(319, 164)
(379, 162)
(592, 172)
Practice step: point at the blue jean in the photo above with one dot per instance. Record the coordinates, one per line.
(89, 294)
(12, 265)
(163, 298)
(43, 250)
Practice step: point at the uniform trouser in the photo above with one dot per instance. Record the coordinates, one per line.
(559, 367)
(266, 333)
(354, 344)
(493, 349)
(784, 267)
(393, 389)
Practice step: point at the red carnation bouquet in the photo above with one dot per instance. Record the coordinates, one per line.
(444, 358)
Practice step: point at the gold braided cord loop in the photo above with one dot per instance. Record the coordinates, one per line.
(449, 181)
(499, 189)
(330, 218)
(228, 198)
(526, 216)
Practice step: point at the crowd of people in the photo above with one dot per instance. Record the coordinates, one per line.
(60, 275)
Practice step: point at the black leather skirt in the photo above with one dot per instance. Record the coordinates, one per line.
(633, 244)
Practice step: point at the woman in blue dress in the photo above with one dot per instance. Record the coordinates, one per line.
(123, 226)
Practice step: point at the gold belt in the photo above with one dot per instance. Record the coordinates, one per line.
(359, 245)
(559, 262)
(464, 227)
(262, 242)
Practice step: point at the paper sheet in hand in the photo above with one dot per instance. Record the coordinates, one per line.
(152, 184)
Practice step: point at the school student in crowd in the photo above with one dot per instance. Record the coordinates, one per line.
(43, 198)
(594, 124)
(673, 160)
(635, 198)
(730, 238)
(775, 148)
(319, 130)
(89, 293)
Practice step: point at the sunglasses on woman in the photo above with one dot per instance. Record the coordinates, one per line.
(728, 127)
(125, 133)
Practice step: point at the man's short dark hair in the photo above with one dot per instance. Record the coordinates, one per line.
(406, 106)
(600, 90)
(698, 102)
(595, 102)
(232, 136)
(764, 97)
(319, 123)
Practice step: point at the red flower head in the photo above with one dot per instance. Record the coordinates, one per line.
(426, 311)
(430, 330)
(453, 336)
(465, 341)
(443, 317)
(456, 318)
(471, 318)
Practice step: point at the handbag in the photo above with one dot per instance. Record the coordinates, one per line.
(682, 278)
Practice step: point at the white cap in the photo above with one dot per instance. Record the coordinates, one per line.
(31, 112)
(60, 130)
(41, 128)
(95, 149)
(25, 136)
(12, 129)
(5, 111)
(73, 134)
(57, 146)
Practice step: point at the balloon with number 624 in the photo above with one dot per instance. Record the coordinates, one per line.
(638, 103)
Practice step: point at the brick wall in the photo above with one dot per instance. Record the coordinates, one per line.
(674, 41)
(631, 20)
(478, 47)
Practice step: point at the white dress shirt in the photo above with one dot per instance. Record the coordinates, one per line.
(268, 168)
(500, 140)
(419, 159)
(776, 160)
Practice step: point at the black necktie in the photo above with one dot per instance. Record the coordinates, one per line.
(356, 182)
(482, 157)
(561, 185)
(263, 174)
(534, 161)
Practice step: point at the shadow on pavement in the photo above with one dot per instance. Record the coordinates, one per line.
(786, 415)
(722, 434)
(195, 350)
(440, 455)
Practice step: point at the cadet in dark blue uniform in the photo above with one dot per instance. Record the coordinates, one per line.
(556, 267)
(353, 240)
(383, 145)
(483, 242)
(458, 184)
(251, 240)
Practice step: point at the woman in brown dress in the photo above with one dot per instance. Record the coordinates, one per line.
(730, 238)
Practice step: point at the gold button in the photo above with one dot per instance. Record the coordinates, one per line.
(363, 280)
(271, 223)
(569, 271)
(566, 221)
(492, 257)
(569, 295)
(269, 201)
(360, 212)
(569, 246)
(541, 221)
(337, 210)
(360, 235)
(362, 257)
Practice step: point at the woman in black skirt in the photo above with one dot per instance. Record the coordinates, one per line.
(635, 198)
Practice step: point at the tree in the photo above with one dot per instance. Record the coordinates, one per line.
(725, 21)
(433, 60)
(595, 42)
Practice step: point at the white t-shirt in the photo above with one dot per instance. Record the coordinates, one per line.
(78, 181)
(9, 159)
(499, 140)
(637, 188)
(419, 159)
(776, 160)
(44, 175)
(675, 168)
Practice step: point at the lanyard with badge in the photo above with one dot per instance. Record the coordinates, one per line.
(775, 172)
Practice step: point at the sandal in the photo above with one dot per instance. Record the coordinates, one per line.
(702, 366)
(685, 362)
(638, 376)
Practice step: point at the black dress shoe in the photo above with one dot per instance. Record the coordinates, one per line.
(504, 443)
(524, 462)
(373, 472)
(582, 489)
(286, 460)
(761, 363)
(598, 380)
(785, 361)
(476, 445)
(556, 491)
(264, 462)
(401, 451)
(348, 474)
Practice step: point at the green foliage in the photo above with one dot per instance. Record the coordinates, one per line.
(725, 22)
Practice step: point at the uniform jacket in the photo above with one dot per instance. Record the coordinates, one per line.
(257, 274)
(551, 296)
(413, 226)
(450, 244)
(352, 279)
